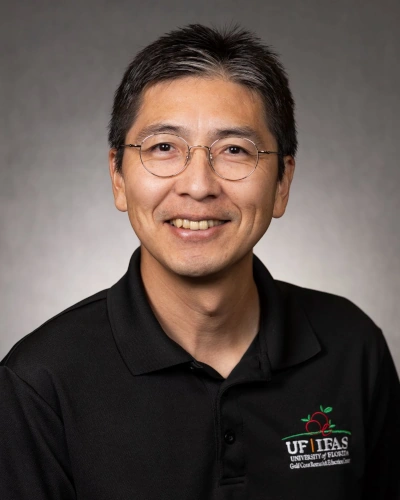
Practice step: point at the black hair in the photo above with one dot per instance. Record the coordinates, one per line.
(195, 50)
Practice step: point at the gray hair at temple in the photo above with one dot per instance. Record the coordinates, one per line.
(234, 54)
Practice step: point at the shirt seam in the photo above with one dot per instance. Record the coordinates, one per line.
(30, 388)
(8, 356)
(375, 390)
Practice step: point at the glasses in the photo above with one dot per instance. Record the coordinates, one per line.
(167, 155)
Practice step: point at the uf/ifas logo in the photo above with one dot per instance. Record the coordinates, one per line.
(319, 445)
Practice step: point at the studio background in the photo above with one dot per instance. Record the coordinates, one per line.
(61, 237)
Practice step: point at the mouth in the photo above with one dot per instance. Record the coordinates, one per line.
(196, 225)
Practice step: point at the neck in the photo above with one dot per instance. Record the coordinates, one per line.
(213, 318)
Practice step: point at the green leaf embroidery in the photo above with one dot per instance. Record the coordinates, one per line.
(332, 426)
(309, 416)
(321, 407)
(304, 419)
(328, 409)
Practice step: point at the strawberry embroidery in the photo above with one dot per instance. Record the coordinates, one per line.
(319, 422)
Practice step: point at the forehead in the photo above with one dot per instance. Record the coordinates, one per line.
(200, 106)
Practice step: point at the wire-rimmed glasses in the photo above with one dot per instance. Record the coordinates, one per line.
(167, 155)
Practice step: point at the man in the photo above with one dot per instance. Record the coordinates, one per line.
(197, 376)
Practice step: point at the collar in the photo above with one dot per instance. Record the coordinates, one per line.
(286, 337)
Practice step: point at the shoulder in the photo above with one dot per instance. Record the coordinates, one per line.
(336, 320)
(319, 304)
(67, 335)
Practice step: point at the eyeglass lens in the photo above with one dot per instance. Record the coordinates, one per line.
(166, 155)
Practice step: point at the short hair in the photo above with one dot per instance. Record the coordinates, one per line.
(196, 50)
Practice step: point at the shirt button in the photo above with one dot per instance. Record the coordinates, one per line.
(229, 437)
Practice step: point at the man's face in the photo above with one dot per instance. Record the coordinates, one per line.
(200, 109)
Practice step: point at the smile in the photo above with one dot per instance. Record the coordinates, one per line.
(196, 225)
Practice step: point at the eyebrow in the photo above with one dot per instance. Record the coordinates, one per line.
(169, 128)
(243, 131)
(160, 128)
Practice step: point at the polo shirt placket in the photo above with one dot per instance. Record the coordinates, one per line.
(230, 453)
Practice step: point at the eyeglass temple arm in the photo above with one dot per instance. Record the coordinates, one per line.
(271, 153)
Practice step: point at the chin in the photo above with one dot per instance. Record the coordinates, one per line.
(193, 264)
(200, 266)
(196, 268)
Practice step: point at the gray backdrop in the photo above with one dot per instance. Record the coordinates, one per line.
(61, 237)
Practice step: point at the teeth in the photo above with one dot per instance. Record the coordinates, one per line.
(195, 225)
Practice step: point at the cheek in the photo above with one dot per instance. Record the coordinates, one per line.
(144, 195)
(257, 203)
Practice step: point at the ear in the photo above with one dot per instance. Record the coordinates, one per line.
(117, 181)
(283, 187)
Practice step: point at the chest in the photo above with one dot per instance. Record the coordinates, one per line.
(187, 436)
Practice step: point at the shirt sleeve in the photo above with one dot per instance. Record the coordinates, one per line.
(34, 461)
(382, 474)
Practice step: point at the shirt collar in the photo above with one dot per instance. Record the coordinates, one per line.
(286, 336)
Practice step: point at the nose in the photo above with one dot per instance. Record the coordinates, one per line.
(199, 146)
(198, 179)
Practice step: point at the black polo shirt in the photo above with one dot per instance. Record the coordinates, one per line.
(99, 403)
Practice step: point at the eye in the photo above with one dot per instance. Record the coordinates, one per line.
(235, 150)
(161, 150)
(163, 147)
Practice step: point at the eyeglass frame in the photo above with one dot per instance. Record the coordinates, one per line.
(209, 156)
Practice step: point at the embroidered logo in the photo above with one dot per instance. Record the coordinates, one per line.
(322, 444)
